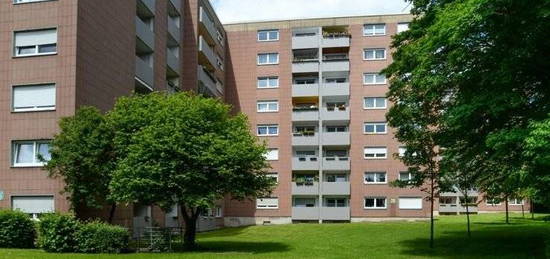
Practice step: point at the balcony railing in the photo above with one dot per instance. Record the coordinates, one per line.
(336, 163)
(305, 163)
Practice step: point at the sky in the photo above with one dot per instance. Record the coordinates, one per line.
(232, 11)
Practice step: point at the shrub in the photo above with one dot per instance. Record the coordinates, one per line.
(99, 237)
(16, 230)
(56, 233)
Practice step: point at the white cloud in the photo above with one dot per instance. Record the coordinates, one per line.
(231, 11)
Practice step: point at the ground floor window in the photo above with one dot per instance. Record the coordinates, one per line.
(375, 202)
(35, 206)
(410, 203)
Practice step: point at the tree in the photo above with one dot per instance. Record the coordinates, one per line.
(187, 150)
(82, 155)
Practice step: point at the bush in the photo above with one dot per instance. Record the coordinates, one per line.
(99, 237)
(56, 233)
(16, 230)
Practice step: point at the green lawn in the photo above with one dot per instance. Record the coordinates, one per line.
(523, 238)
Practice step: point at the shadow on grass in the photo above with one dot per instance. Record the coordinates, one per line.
(497, 242)
(236, 247)
(224, 232)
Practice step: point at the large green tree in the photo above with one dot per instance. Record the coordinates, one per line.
(187, 150)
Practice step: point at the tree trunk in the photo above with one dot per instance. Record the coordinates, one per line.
(432, 195)
(532, 209)
(467, 213)
(112, 213)
(522, 210)
(507, 215)
(190, 233)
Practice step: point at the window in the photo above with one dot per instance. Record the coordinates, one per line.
(374, 54)
(515, 201)
(374, 79)
(374, 103)
(28, 1)
(493, 201)
(273, 176)
(36, 42)
(333, 154)
(272, 154)
(304, 202)
(304, 131)
(375, 128)
(268, 82)
(402, 151)
(336, 80)
(336, 178)
(337, 128)
(375, 202)
(336, 106)
(33, 205)
(268, 106)
(375, 152)
(268, 58)
(268, 130)
(410, 203)
(375, 177)
(335, 202)
(27, 153)
(33, 98)
(405, 176)
(305, 155)
(267, 203)
(219, 212)
(402, 26)
(305, 81)
(374, 29)
(268, 35)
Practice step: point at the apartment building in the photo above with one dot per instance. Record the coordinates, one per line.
(313, 90)
(58, 55)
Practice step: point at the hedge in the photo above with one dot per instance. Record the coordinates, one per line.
(99, 237)
(56, 233)
(17, 230)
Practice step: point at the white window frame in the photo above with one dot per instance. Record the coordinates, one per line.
(273, 175)
(376, 153)
(376, 174)
(268, 104)
(374, 75)
(35, 108)
(487, 199)
(276, 154)
(218, 212)
(268, 79)
(375, 103)
(272, 206)
(37, 46)
(268, 34)
(267, 126)
(402, 23)
(373, 27)
(374, 54)
(375, 124)
(16, 2)
(268, 57)
(35, 143)
(421, 203)
(375, 207)
(411, 175)
(514, 202)
(401, 151)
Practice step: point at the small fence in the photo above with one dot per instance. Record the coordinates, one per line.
(156, 239)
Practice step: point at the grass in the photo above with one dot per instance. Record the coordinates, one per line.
(491, 238)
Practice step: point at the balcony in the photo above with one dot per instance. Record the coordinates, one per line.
(174, 30)
(336, 163)
(303, 114)
(335, 188)
(305, 42)
(205, 20)
(305, 189)
(144, 72)
(336, 138)
(207, 80)
(335, 65)
(306, 66)
(301, 139)
(305, 163)
(335, 213)
(336, 41)
(173, 62)
(305, 213)
(335, 89)
(301, 90)
(456, 208)
(207, 52)
(145, 34)
(335, 115)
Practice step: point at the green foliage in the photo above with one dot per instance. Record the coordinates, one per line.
(56, 233)
(99, 237)
(17, 230)
(82, 156)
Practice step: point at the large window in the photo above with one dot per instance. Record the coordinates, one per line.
(28, 153)
(405, 176)
(272, 154)
(374, 54)
(268, 106)
(402, 26)
(410, 203)
(375, 202)
(33, 205)
(374, 79)
(374, 29)
(268, 82)
(268, 58)
(337, 128)
(375, 152)
(515, 201)
(305, 202)
(268, 130)
(374, 103)
(36, 42)
(336, 202)
(375, 177)
(33, 98)
(268, 35)
(375, 128)
(267, 203)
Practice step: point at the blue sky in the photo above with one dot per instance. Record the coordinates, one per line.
(231, 11)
